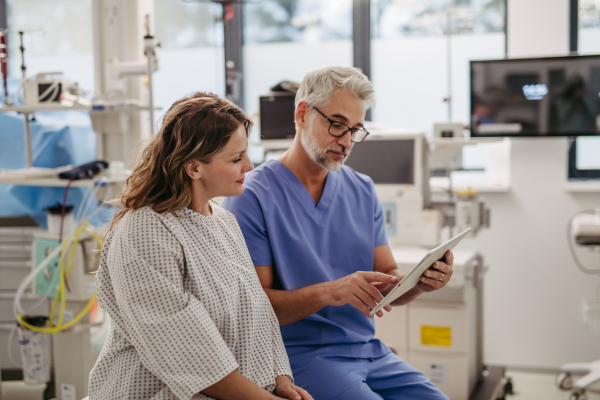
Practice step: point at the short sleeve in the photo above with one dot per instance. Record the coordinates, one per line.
(379, 223)
(171, 330)
(249, 214)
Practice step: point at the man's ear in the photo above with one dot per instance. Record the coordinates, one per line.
(194, 169)
(302, 112)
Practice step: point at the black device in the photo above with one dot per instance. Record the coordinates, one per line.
(277, 116)
(551, 96)
(84, 171)
(385, 161)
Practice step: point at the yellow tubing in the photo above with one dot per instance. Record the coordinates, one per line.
(61, 289)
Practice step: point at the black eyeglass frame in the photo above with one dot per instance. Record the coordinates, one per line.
(354, 130)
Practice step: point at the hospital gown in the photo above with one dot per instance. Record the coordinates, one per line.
(186, 308)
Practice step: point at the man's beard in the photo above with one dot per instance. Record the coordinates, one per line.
(319, 155)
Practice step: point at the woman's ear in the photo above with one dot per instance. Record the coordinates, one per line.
(194, 169)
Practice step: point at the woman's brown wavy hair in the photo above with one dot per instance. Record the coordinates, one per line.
(195, 127)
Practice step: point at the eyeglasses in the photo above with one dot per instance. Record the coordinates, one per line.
(339, 129)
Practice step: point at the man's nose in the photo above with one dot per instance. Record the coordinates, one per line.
(346, 140)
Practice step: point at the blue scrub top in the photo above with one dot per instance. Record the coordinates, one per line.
(308, 243)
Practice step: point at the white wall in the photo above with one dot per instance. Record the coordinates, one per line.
(538, 28)
(533, 289)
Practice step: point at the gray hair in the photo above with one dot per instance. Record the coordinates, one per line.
(317, 86)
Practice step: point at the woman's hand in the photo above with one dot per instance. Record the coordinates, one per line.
(286, 389)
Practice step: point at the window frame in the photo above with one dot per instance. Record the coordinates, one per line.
(573, 172)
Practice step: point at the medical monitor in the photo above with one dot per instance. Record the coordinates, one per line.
(553, 96)
(277, 116)
(385, 161)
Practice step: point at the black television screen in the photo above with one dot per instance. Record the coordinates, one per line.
(385, 161)
(554, 96)
(277, 116)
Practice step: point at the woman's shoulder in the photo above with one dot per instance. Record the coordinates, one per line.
(141, 216)
(142, 223)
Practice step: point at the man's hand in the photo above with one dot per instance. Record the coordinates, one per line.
(361, 289)
(284, 388)
(438, 275)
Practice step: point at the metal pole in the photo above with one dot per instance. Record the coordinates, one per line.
(149, 46)
(449, 61)
(361, 38)
(233, 45)
(23, 67)
(150, 56)
(573, 26)
(27, 141)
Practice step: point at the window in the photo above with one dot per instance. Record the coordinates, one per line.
(285, 39)
(410, 69)
(191, 55)
(584, 162)
(50, 45)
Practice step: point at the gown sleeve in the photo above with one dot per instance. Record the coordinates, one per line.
(281, 362)
(171, 330)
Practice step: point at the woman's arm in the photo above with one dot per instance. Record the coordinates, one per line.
(236, 386)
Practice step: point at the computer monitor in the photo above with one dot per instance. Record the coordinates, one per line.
(385, 161)
(277, 116)
(552, 96)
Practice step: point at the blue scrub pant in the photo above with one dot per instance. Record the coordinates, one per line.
(344, 378)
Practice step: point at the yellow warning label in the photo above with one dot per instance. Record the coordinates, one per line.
(436, 336)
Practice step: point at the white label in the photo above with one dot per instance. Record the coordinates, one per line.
(67, 392)
(438, 374)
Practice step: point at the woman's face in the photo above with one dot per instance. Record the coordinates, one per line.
(224, 175)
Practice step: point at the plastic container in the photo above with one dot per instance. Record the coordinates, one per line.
(35, 353)
(54, 217)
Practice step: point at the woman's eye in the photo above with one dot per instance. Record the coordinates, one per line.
(238, 160)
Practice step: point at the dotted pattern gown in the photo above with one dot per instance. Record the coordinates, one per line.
(186, 308)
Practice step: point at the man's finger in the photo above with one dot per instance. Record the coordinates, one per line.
(442, 267)
(380, 286)
(372, 291)
(366, 298)
(370, 303)
(356, 302)
(449, 258)
(434, 283)
(379, 277)
(434, 274)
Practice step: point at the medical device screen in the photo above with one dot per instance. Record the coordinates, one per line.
(557, 96)
(277, 116)
(385, 161)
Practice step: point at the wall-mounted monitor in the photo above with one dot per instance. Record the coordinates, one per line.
(277, 116)
(385, 161)
(553, 96)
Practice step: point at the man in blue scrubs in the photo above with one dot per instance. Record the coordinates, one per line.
(315, 232)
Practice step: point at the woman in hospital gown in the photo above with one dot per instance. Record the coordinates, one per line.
(189, 316)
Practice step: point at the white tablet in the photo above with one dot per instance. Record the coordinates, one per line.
(412, 278)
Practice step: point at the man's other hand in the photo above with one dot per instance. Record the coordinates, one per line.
(438, 275)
